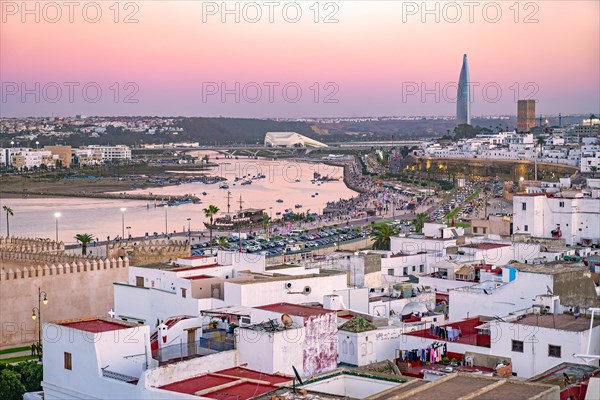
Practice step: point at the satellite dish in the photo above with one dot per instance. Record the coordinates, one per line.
(286, 320)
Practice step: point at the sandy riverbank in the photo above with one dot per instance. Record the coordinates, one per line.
(106, 180)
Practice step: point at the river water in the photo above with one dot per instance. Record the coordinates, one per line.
(34, 217)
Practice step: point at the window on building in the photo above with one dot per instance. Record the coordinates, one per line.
(517, 345)
(414, 268)
(68, 364)
(526, 228)
(405, 271)
(484, 229)
(523, 206)
(421, 268)
(391, 271)
(474, 229)
(139, 281)
(561, 204)
(183, 292)
(553, 351)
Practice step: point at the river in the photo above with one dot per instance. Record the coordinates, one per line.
(34, 217)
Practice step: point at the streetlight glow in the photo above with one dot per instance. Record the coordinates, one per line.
(56, 215)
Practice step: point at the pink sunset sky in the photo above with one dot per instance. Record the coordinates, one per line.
(174, 51)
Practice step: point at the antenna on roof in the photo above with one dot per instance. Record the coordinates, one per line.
(297, 378)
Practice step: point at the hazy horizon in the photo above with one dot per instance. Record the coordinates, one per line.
(379, 59)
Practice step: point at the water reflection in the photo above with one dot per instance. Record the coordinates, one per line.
(285, 180)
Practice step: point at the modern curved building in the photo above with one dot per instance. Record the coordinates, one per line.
(291, 139)
(463, 96)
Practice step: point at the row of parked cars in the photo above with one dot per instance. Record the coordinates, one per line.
(282, 244)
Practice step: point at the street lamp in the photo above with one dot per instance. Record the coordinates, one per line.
(36, 314)
(37, 145)
(166, 220)
(189, 230)
(123, 209)
(56, 217)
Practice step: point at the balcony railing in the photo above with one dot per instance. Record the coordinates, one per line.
(184, 351)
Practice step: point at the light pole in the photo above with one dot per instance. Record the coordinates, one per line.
(56, 217)
(36, 313)
(166, 220)
(123, 209)
(189, 230)
(37, 145)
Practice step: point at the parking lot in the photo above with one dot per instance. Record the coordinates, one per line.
(291, 243)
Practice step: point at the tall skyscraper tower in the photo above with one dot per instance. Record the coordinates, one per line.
(463, 96)
(525, 115)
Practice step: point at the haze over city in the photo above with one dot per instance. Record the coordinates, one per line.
(295, 200)
(358, 59)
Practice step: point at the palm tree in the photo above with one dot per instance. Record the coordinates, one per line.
(223, 243)
(84, 238)
(593, 170)
(381, 235)
(419, 221)
(209, 213)
(265, 222)
(9, 212)
(540, 142)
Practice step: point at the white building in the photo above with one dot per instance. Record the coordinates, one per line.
(517, 287)
(537, 343)
(290, 139)
(109, 153)
(572, 215)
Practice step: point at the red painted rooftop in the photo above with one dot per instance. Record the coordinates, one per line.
(95, 325)
(295, 309)
(238, 389)
(196, 267)
(251, 374)
(193, 385)
(485, 246)
(242, 391)
(193, 278)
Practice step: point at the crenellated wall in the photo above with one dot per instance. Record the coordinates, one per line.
(149, 252)
(76, 286)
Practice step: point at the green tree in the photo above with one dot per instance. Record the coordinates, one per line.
(593, 170)
(11, 387)
(9, 213)
(31, 375)
(381, 234)
(419, 222)
(223, 243)
(265, 222)
(84, 239)
(210, 213)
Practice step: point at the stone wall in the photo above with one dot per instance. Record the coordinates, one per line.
(75, 286)
(149, 252)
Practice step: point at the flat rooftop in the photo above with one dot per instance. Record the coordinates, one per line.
(197, 277)
(458, 386)
(180, 269)
(237, 383)
(254, 277)
(563, 322)
(96, 325)
(485, 246)
(550, 268)
(295, 309)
